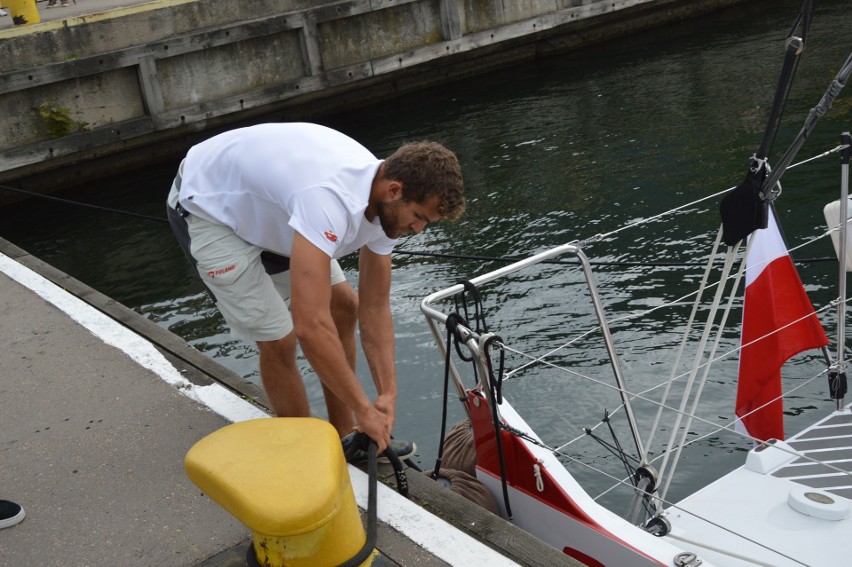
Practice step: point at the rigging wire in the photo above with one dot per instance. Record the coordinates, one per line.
(640, 314)
(728, 427)
(643, 394)
(541, 358)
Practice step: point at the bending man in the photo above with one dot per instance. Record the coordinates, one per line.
(263, 213)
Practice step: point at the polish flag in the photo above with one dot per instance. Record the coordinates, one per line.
(774, 299)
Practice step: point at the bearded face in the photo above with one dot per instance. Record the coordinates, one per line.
(390, 216)
(399, 217)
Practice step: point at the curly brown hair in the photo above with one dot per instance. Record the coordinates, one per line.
(426, 169)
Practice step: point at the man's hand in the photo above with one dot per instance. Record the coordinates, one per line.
(376, 323)
(375, 424)
(386, 404)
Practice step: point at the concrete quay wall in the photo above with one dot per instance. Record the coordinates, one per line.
(160, 75)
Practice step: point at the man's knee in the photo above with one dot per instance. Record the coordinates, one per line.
(344, 305)
(283, 349)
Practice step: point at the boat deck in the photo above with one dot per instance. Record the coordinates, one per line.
(749, 516)
(830, 443)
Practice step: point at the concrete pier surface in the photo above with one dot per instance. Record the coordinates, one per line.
(99, 407)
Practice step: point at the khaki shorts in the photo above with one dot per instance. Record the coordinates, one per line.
(252, 301)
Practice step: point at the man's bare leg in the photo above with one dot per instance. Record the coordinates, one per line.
(282, 381)
(344, 311)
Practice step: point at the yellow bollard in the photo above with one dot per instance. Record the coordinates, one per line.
(287, 480)
(22, 11)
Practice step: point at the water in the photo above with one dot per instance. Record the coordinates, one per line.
(555, 150)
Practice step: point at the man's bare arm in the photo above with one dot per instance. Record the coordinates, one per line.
(376, 324)
(310, 284)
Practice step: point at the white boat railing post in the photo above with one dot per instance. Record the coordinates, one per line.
(840, 365)
(610, 347)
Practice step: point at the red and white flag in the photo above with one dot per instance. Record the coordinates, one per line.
(774, 299)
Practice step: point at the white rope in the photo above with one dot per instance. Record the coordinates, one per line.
(695, 305)
(729, 427)
(625, 318)
(818, 156)
(657, 217)
(696, 294)
(702, 345)
(719, 329)
(642, 395)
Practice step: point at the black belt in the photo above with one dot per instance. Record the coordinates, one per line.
(274, 263)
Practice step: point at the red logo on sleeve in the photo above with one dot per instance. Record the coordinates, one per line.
(330, 235)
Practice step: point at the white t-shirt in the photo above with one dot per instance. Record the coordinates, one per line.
(267, 182)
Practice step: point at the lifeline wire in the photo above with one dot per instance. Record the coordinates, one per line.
(642, 395)
(646, 312)
(728, 427)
